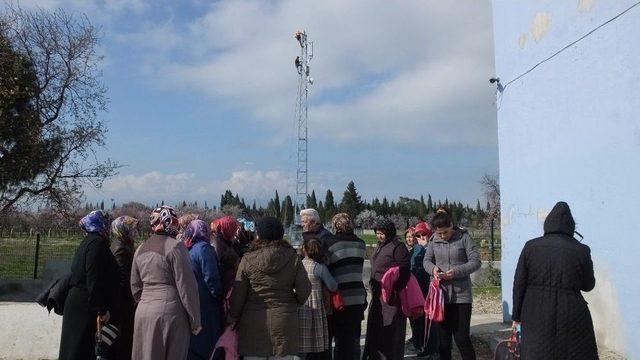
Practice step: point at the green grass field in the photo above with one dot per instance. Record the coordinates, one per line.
(492, 291)
(17, 255)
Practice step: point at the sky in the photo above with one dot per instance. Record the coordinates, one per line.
(202, 94)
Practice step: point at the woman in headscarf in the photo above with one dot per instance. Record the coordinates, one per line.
(183, 222)
(94, 285)
(123, 231)
(245, 236)
(204, 263)
(166, 290)
(224, 230)
(386, 324)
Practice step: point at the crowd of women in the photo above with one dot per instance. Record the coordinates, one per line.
(239, 284)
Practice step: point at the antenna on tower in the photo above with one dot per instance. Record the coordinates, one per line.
(302, 114)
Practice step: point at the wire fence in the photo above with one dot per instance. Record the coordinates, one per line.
(24, 254)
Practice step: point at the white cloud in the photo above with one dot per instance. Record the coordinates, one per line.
(384, 70)
(155, 186)
(155, 183)
(101, 9)
(256, 184)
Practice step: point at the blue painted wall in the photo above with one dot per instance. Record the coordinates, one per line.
(570, 130)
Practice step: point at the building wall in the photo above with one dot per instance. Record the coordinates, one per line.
(570, 130)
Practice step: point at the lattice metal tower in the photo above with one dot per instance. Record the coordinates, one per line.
(302, 114)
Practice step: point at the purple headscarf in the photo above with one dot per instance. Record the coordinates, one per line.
(196, 231)
(96, 221)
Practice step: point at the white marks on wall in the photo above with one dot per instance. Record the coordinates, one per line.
(586, 5)
(542, 215)
(541, 25)
(522, 41)
(609, 325)
(506, 217)
(539, 28)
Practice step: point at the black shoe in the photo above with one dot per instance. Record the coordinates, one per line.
(426, 355)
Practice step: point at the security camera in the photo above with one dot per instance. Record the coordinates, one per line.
(495, 79)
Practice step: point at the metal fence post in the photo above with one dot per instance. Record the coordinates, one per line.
(37, 257)
(491, 246)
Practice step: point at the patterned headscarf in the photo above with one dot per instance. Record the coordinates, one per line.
(196, 231)
(96, 221)
(226, 228)
(123, 228)
(164, 220)
(247, 225)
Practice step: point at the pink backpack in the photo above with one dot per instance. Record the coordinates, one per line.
(411, 298)
(433, 306)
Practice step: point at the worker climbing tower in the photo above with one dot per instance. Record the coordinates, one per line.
(302, 115)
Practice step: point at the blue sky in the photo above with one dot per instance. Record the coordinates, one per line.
(202, 97)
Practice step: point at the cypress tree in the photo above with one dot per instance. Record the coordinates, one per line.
(329, 204)
(276, 206)
(312, 202)
(351, 202)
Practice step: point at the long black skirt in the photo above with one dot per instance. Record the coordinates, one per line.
(78, 327)
(386, 330)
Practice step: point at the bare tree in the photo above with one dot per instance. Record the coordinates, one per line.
(492, 192)
(62, 51)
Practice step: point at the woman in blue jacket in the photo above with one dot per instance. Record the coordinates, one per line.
(204, 262)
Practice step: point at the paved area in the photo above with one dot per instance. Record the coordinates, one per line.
(28, 332)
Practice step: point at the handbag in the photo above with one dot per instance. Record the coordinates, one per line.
(106, 336)
(509, 349)
(228, 342)
(337, 301)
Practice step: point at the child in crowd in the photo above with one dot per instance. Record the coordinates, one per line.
(312, 317)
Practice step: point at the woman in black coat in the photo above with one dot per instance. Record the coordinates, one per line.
(94, 283)
(386, 324)
(547, 303)
(123, 231)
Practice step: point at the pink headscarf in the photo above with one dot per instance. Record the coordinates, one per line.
(226, 228)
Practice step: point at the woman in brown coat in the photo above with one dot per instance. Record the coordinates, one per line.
(270, 284)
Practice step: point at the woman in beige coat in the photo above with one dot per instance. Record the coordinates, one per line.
(270, 284)
(165, 288)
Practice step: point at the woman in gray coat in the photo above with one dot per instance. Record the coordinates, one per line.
(452, 256)
(166, 290)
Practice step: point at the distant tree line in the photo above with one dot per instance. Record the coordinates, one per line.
(403, 212)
